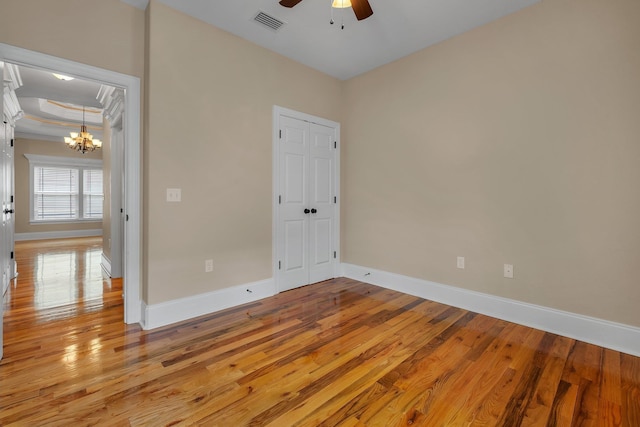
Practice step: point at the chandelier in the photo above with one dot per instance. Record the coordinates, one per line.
(83, 141)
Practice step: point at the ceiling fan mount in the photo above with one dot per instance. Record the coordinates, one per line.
(361, 8)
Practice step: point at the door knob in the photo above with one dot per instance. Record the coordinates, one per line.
(307, 211)
(313, 210)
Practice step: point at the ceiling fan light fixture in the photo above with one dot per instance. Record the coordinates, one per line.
(341, 4)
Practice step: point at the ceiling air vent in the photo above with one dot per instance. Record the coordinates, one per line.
(268, 21)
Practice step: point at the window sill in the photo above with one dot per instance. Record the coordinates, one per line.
(65, 221)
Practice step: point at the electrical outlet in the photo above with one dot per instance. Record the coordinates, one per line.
(460, 262)
(208, 265)
(508, 271)
(174, 195)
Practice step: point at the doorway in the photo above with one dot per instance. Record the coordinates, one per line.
(131, 158)
(306, 166)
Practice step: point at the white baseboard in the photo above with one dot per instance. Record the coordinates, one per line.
(615, 336)
(169, 312)
(106, 264)
(43, 235)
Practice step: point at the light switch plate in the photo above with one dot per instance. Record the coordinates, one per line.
(174, 194)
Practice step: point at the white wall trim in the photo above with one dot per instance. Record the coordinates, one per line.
(615, 336)
(39, 159)
(166, 313)
(106, 264)
(133, 179)
(36, 136)
(45, 235)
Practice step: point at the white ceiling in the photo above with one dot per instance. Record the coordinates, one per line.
(396, 29)
(43, 84)
(52, 107)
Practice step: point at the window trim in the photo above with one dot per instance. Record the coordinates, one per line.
(38, 160)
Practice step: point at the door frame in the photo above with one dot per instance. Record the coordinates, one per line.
(277, 113)
(132, 156)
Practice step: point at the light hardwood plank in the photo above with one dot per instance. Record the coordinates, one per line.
(336, 353)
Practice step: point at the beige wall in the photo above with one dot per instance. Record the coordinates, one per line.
(104, 33)
(209, 105)
(513, 143)
(45, 148)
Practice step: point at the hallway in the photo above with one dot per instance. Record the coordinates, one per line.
(58, 279)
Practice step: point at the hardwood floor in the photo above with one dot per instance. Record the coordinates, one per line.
(339, 352)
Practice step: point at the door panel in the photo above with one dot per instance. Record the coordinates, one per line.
(11, 218)
(6, 191)
(322, 164)
(4, 236)
(4, 230)
(294, 238)
(322, 243)
(295, 179)
(321, 181)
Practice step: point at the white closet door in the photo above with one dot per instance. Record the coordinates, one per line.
(293, 233)
(321, 202)
(306, 203)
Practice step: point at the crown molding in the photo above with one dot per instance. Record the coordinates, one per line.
(112, 100)
(36, 136)
(12, 82)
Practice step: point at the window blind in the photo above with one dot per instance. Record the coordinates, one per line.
(92, 193)
(66, 193)
(55, 193)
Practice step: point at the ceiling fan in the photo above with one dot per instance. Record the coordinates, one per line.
(361, 8)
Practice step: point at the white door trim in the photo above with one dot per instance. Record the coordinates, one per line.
(281, 111)
(133, 182)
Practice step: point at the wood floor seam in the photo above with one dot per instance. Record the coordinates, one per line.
(335, 353)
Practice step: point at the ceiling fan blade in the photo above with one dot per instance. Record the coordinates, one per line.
(361, 8)
(289, 3)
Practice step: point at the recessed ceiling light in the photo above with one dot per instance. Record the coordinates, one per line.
(63, 77)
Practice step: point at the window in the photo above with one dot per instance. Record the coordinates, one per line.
(92, 193)
(65, 189)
